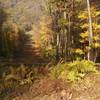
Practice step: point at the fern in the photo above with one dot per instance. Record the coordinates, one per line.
(74, 70)
(57, 70)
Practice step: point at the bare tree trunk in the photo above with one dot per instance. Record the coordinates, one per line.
(57, 48)
(90, 30)
(69, 36)
(65, 33)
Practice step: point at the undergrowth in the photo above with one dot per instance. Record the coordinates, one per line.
(12, 77)
(73, 71)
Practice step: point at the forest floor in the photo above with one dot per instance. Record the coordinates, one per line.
(48, 89)
(45, 88)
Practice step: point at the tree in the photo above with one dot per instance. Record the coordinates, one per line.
(90, 30)
(66, 26)
(3, 18)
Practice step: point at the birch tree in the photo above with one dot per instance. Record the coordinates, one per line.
(90, 29)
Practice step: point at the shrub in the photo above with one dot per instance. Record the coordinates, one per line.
(57, 70)
(73, 71)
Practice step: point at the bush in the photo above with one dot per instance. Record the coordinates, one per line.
(57, 70)
(73, 71)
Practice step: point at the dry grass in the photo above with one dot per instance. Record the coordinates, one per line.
(48, 89)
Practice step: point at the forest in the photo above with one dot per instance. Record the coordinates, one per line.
(49, 49)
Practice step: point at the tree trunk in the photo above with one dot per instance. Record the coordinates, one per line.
(90, 30)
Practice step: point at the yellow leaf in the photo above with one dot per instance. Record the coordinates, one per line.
(82, 41)
(84, 26)
(84, 35)
(83, 15)
(79, 51)
(96, 38)
(96, 45)
(97, 13)
(87, 48)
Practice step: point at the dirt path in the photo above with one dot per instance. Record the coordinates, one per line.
(47, 89)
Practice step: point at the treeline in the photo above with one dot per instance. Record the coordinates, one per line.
(18, 20)
(76, 28)
(12, 36)
(70, 31)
